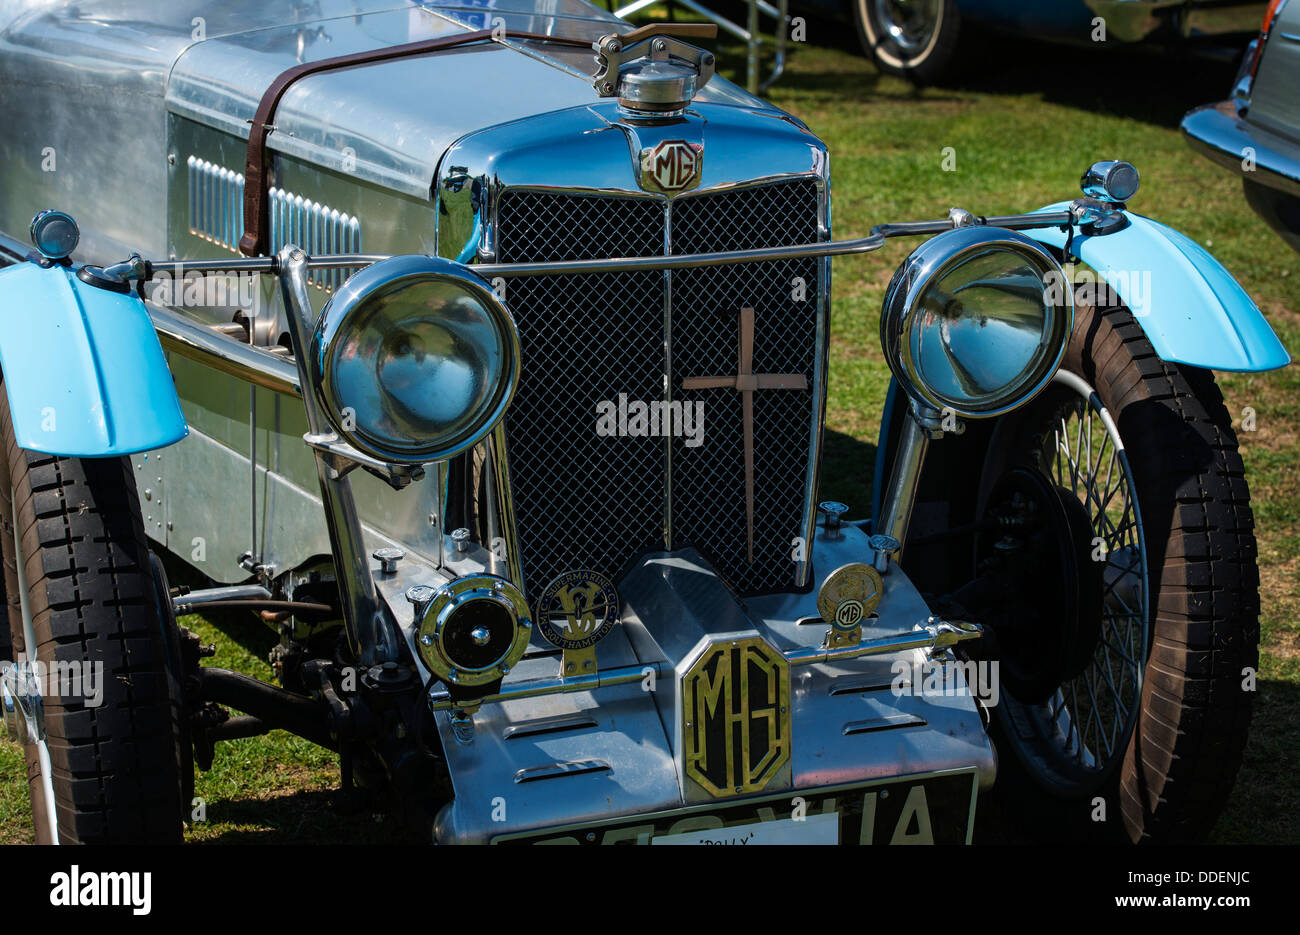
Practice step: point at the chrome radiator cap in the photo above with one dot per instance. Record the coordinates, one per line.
(650, 70)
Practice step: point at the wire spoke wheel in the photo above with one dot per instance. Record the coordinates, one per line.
(1134, 611)
(1085, 725)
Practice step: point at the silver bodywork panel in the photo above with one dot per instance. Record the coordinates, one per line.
(591, 757)
(134, 117)
(167, 90)
(94, 83)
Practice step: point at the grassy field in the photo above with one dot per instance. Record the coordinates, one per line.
(1023, 121)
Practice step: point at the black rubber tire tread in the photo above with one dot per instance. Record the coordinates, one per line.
(1187, 746)
(114, 767)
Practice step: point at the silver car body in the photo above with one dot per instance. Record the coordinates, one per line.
(134, 116)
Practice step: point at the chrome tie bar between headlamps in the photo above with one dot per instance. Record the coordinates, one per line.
(872, 242)
(198, 342)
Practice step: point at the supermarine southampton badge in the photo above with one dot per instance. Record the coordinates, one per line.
(672, 166)
(736, 716)
(578, 609)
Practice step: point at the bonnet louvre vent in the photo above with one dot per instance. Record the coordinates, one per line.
(216, 211)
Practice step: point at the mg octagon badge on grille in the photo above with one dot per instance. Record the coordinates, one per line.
(672, 166)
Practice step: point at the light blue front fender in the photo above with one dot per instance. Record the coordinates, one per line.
(82, 366)
(1190, 307)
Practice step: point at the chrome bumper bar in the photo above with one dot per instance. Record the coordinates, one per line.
(1217, 132)
(188, 338)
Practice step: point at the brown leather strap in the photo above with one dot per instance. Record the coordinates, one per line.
(675, 30)
(256, 194)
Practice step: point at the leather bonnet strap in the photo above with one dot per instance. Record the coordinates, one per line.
(256, 195)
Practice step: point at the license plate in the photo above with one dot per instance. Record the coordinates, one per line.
(813, 829)
(936, 809)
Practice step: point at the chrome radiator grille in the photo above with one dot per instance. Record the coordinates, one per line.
(586, 500)
(708, 482)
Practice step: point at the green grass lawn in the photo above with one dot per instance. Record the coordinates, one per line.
(1023, 121)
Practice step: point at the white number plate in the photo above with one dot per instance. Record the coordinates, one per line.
(814, 829)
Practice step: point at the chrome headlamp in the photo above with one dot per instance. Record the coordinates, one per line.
(414, 359)
(976, 320)
(474, 630)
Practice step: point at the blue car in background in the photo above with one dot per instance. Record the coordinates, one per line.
(918, 39)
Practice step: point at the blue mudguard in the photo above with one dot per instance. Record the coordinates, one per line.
(1190, 307)
(82, 367)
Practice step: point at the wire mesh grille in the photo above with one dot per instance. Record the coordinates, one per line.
(708, 482)
(586, 500)
(583, 500)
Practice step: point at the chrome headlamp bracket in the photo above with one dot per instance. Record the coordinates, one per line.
(342, 458)
(1097, 218)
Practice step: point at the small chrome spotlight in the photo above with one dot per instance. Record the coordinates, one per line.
(54, 234)
(1114, 181)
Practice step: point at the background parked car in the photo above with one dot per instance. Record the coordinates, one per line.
(1257, 130)
(918, 39)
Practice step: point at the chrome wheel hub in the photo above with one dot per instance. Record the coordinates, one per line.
(908, 24)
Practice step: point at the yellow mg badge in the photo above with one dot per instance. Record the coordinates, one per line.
(736, 716)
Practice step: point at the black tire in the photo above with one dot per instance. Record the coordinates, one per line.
(1173, 767)
(915, 40)
(91, 598)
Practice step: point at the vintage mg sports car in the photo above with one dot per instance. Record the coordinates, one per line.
(482, 350)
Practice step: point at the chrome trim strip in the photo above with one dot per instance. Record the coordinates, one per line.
(821, 369)
(668, 376)
(506, 504)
